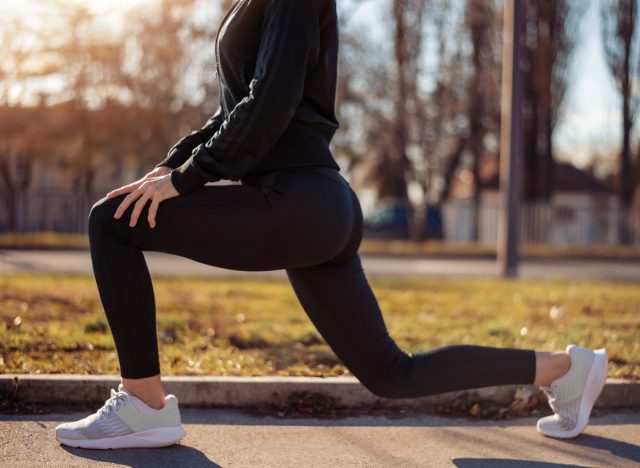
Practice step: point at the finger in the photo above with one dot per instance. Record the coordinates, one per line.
(124, 189)
(139, 206)
(126, 202)
(153, 209)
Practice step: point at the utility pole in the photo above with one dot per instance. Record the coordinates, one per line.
(510, 138)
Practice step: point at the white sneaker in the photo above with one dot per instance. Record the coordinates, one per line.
(572, 395)
(125, 421)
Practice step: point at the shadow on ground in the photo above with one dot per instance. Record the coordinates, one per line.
(175, 456)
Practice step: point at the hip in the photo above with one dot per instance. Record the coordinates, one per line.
(321, 171)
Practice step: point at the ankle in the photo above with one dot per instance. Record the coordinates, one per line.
(561, 364)
(155, 402)
(551, 366)
(148, 390)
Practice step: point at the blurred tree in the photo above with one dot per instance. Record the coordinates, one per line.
(163, 44)
(407, 43)
(621, 40)
(89, 61)
(24, 136)
(395, 114)
(413, 128)
(551, 33)
(18, 152)
(483, 90)
(449, 105)
(467, 96)
(361, 77)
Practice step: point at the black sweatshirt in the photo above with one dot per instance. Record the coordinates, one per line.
(277, 66)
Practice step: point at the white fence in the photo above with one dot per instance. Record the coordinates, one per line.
(46, 211)
(579, 224)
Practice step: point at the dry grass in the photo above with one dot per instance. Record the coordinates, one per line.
(234, 326)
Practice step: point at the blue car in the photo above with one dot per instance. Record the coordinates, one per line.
(393, 223)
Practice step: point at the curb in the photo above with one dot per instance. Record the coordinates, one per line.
(239, 392)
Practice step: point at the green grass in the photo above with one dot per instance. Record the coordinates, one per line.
(235, 326)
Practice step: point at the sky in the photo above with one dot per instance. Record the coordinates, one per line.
(590, 116)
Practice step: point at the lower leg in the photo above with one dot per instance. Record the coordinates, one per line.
(340, 302)
(147, 389)
(255, 221)
(127, 296)
(550, 366)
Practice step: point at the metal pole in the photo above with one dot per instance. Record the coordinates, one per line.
(510, 138)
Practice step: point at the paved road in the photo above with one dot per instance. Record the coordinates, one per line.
(161, 264)
(230, 438)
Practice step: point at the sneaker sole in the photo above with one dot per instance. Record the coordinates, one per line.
(158, 437)
(592, 389)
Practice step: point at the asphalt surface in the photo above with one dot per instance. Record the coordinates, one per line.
(220, 437)
(162, 264)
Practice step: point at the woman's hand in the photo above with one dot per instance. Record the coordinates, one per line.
(155, 173)
(155, 186)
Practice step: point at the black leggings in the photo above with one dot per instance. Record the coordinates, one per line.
(309, 222)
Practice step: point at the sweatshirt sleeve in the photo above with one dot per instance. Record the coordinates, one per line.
(288, 50)
(181, 151)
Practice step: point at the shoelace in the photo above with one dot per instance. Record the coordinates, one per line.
(551, 396)
(116, 400)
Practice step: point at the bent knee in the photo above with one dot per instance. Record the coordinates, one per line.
(102, 212)
(390, 380)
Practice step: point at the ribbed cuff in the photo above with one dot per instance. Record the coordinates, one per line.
(187, 177)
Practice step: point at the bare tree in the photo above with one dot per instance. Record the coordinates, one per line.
(621, 40)
(89, 62)
(408, 36)
(380, 106)
(483, 90)
(551, 32)
(449, 105)
(23, 131)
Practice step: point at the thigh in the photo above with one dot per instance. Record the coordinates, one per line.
(288, 219)
(341, 304)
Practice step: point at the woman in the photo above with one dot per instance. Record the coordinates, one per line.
(277, 64)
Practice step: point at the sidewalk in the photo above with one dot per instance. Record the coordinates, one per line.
(232, 438)
(318, 422)
(166, 265)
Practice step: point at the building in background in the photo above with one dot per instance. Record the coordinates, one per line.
(582, 211)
